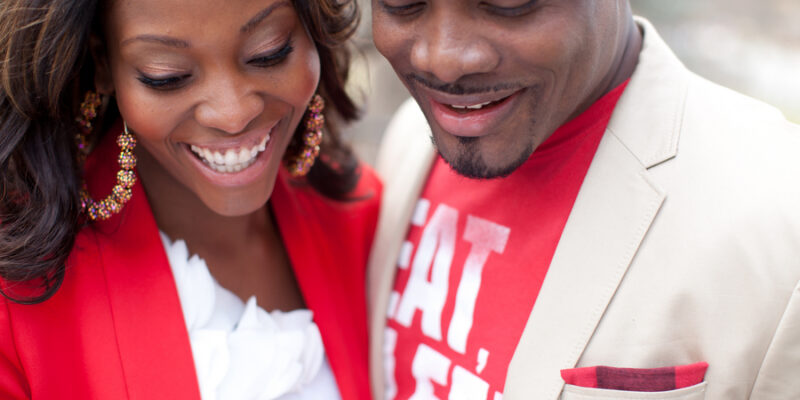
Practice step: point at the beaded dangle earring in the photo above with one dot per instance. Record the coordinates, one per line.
(300, 164)
(88, 113)
(121, 193)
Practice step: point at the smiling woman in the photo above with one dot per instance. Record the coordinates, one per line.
(177, 213)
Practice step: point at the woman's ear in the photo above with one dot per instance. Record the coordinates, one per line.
(102, 71)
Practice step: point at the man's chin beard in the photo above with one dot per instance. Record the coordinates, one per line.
(469, 163)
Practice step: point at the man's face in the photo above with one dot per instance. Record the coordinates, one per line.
(496, 77)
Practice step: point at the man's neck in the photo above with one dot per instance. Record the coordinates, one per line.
(622, 66)
(629, 57)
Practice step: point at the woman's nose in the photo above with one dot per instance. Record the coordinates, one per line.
(229, 106)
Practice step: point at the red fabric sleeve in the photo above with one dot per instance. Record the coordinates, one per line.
(13, 385)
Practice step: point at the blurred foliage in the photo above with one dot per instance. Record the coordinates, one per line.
(750, 46)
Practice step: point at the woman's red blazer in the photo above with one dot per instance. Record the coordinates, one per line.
(115, 329)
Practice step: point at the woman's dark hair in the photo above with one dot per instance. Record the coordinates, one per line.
(45, 67)
(331, 23)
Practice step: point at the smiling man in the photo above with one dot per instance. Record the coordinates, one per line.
(592, 219)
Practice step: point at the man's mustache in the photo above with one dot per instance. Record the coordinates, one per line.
(457, 88)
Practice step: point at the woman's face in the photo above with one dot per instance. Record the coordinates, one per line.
(213, 90)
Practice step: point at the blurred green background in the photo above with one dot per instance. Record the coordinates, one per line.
(748, 45)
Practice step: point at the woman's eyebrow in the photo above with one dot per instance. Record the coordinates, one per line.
(165, 40)
(173, 42)
(262, 15)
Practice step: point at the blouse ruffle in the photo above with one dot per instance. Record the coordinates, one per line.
(242, 351)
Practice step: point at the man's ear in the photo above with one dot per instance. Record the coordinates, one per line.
(102, 70)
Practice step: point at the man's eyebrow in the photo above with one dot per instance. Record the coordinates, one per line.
(165, 40)
(262, 15)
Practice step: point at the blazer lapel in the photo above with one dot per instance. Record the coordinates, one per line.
(405, 174)
(615, 207)
(611, 215)
(154, 347)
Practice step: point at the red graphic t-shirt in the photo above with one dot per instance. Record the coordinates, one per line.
(475, 257)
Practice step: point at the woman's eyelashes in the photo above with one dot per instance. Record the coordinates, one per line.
(402, 10)
(168, 83)
(274, 58)
(175, 82)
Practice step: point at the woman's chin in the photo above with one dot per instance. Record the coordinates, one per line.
(239, 203)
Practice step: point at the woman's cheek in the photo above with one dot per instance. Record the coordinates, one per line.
(306, 83)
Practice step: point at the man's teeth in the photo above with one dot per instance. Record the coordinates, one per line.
(472, 107)
(232, 160)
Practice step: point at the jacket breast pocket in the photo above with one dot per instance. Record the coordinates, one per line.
(572, 392)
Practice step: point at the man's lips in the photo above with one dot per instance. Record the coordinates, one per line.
(471, 115)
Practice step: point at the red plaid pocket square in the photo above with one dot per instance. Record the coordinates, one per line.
(635, 379)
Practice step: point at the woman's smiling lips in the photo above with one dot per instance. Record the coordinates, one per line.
(232, 159)
(233, 163)
(471, 115)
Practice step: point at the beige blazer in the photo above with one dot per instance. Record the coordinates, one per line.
(683, 244)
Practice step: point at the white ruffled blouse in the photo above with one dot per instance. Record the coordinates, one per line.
(241, 351)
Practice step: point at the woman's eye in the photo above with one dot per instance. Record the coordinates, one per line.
(169, 83)
(510, 10)
(402, 9)
(275, 58)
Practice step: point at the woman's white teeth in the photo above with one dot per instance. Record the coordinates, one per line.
(231, 157)
(472, 107)
(231, 160)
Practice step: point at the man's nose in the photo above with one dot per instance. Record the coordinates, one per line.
(449, 51)
(230, 105)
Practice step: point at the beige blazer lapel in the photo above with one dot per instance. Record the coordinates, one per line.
(405, 174)
(615, 207)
